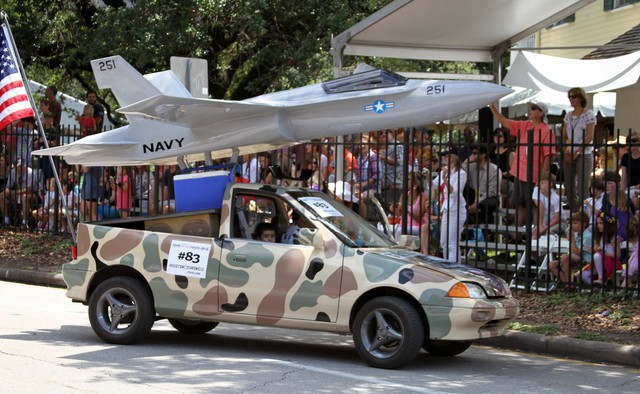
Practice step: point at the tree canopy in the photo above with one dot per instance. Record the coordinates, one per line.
(251, 46)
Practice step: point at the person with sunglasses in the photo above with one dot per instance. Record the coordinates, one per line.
(544, 150)
(577, 138)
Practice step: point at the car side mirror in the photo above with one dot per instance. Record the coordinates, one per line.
(311, 237)
(411, 242)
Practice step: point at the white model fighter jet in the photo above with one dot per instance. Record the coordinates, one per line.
(167, 123)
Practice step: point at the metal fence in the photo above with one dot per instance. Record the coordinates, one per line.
(452, 189)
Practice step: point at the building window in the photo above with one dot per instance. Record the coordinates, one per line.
(613, 4)
(565, 20)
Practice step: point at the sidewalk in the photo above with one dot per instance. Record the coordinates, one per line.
(576, 349)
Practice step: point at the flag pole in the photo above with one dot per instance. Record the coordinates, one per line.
(23, 76)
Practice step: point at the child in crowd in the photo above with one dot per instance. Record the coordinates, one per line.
(606, 250)
(453, 207)
(630, 273)
(549, 211)
(72, 206)
(265, 232)
(580, 239)
(124, 197)
(42, 214)
(594, 204)
(87, 121)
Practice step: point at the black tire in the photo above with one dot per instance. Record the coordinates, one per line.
(193, 327)
(446, 348)
(121, 310)
(388, 332)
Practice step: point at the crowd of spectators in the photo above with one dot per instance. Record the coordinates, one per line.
(443, 190)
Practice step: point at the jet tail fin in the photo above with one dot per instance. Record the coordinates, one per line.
(126, 83)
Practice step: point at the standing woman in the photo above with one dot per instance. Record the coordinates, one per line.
(577, 136)
(502, 155)
(453, 207)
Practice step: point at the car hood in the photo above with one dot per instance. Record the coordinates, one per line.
(493, 285)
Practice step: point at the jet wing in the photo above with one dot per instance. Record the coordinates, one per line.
(195, 113)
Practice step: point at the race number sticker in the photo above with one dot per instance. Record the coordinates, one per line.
(321, 207)
(188, 259)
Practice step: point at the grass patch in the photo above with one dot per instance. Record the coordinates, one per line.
(29, 246)
(545, 329)
(590, 336)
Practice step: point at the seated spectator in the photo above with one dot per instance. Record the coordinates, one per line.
(483, 186)
(142, 185)
(366, 175)
(70, 205)
(41, 214)
(107, 200)
(549, 218)
(168, 203)
(606, 251)
(265, 232)
(617, 203)
(430, 230)
(630, 273)
(20, 192)
(5, 172)
(580, 239)
(417, 202)
(593, 204)
(124, 197)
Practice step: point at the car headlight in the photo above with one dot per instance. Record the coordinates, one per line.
(475, 291)
(466, 290)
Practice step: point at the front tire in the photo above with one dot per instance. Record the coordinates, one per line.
(446, 348)
(388, 332)
(121, 310)
(192, 327)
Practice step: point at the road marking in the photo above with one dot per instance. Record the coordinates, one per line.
(377, 381)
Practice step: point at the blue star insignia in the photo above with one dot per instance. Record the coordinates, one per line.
(379, 106)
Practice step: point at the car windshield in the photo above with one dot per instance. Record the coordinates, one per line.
(348, 226)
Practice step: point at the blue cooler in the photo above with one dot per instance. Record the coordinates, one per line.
(200, 190)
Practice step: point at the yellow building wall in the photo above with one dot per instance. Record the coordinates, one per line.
(627, 114)
(592, 26)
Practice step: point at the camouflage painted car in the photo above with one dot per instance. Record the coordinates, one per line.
(342, 275)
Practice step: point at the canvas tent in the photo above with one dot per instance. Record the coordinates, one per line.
(550, 73)
(554, 76)
(454, 30)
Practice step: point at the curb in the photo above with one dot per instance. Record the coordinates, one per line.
(576, 349)
(32, 277)
(593, 351)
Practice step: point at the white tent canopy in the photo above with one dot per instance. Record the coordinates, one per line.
(454, 30)
(603, 102)
(556, 74)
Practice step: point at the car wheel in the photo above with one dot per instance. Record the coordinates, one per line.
(121, 310)
(192, 327)
(446, 348)
(388, 332)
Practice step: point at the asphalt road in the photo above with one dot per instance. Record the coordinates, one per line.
(46, 344)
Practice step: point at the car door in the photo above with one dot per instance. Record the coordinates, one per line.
(274, 281)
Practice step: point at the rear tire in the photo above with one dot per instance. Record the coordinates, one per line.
(388, 332)
(121, 310)
(192, 327)
(446, 348)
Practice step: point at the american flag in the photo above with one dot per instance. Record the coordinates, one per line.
(14, 102)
